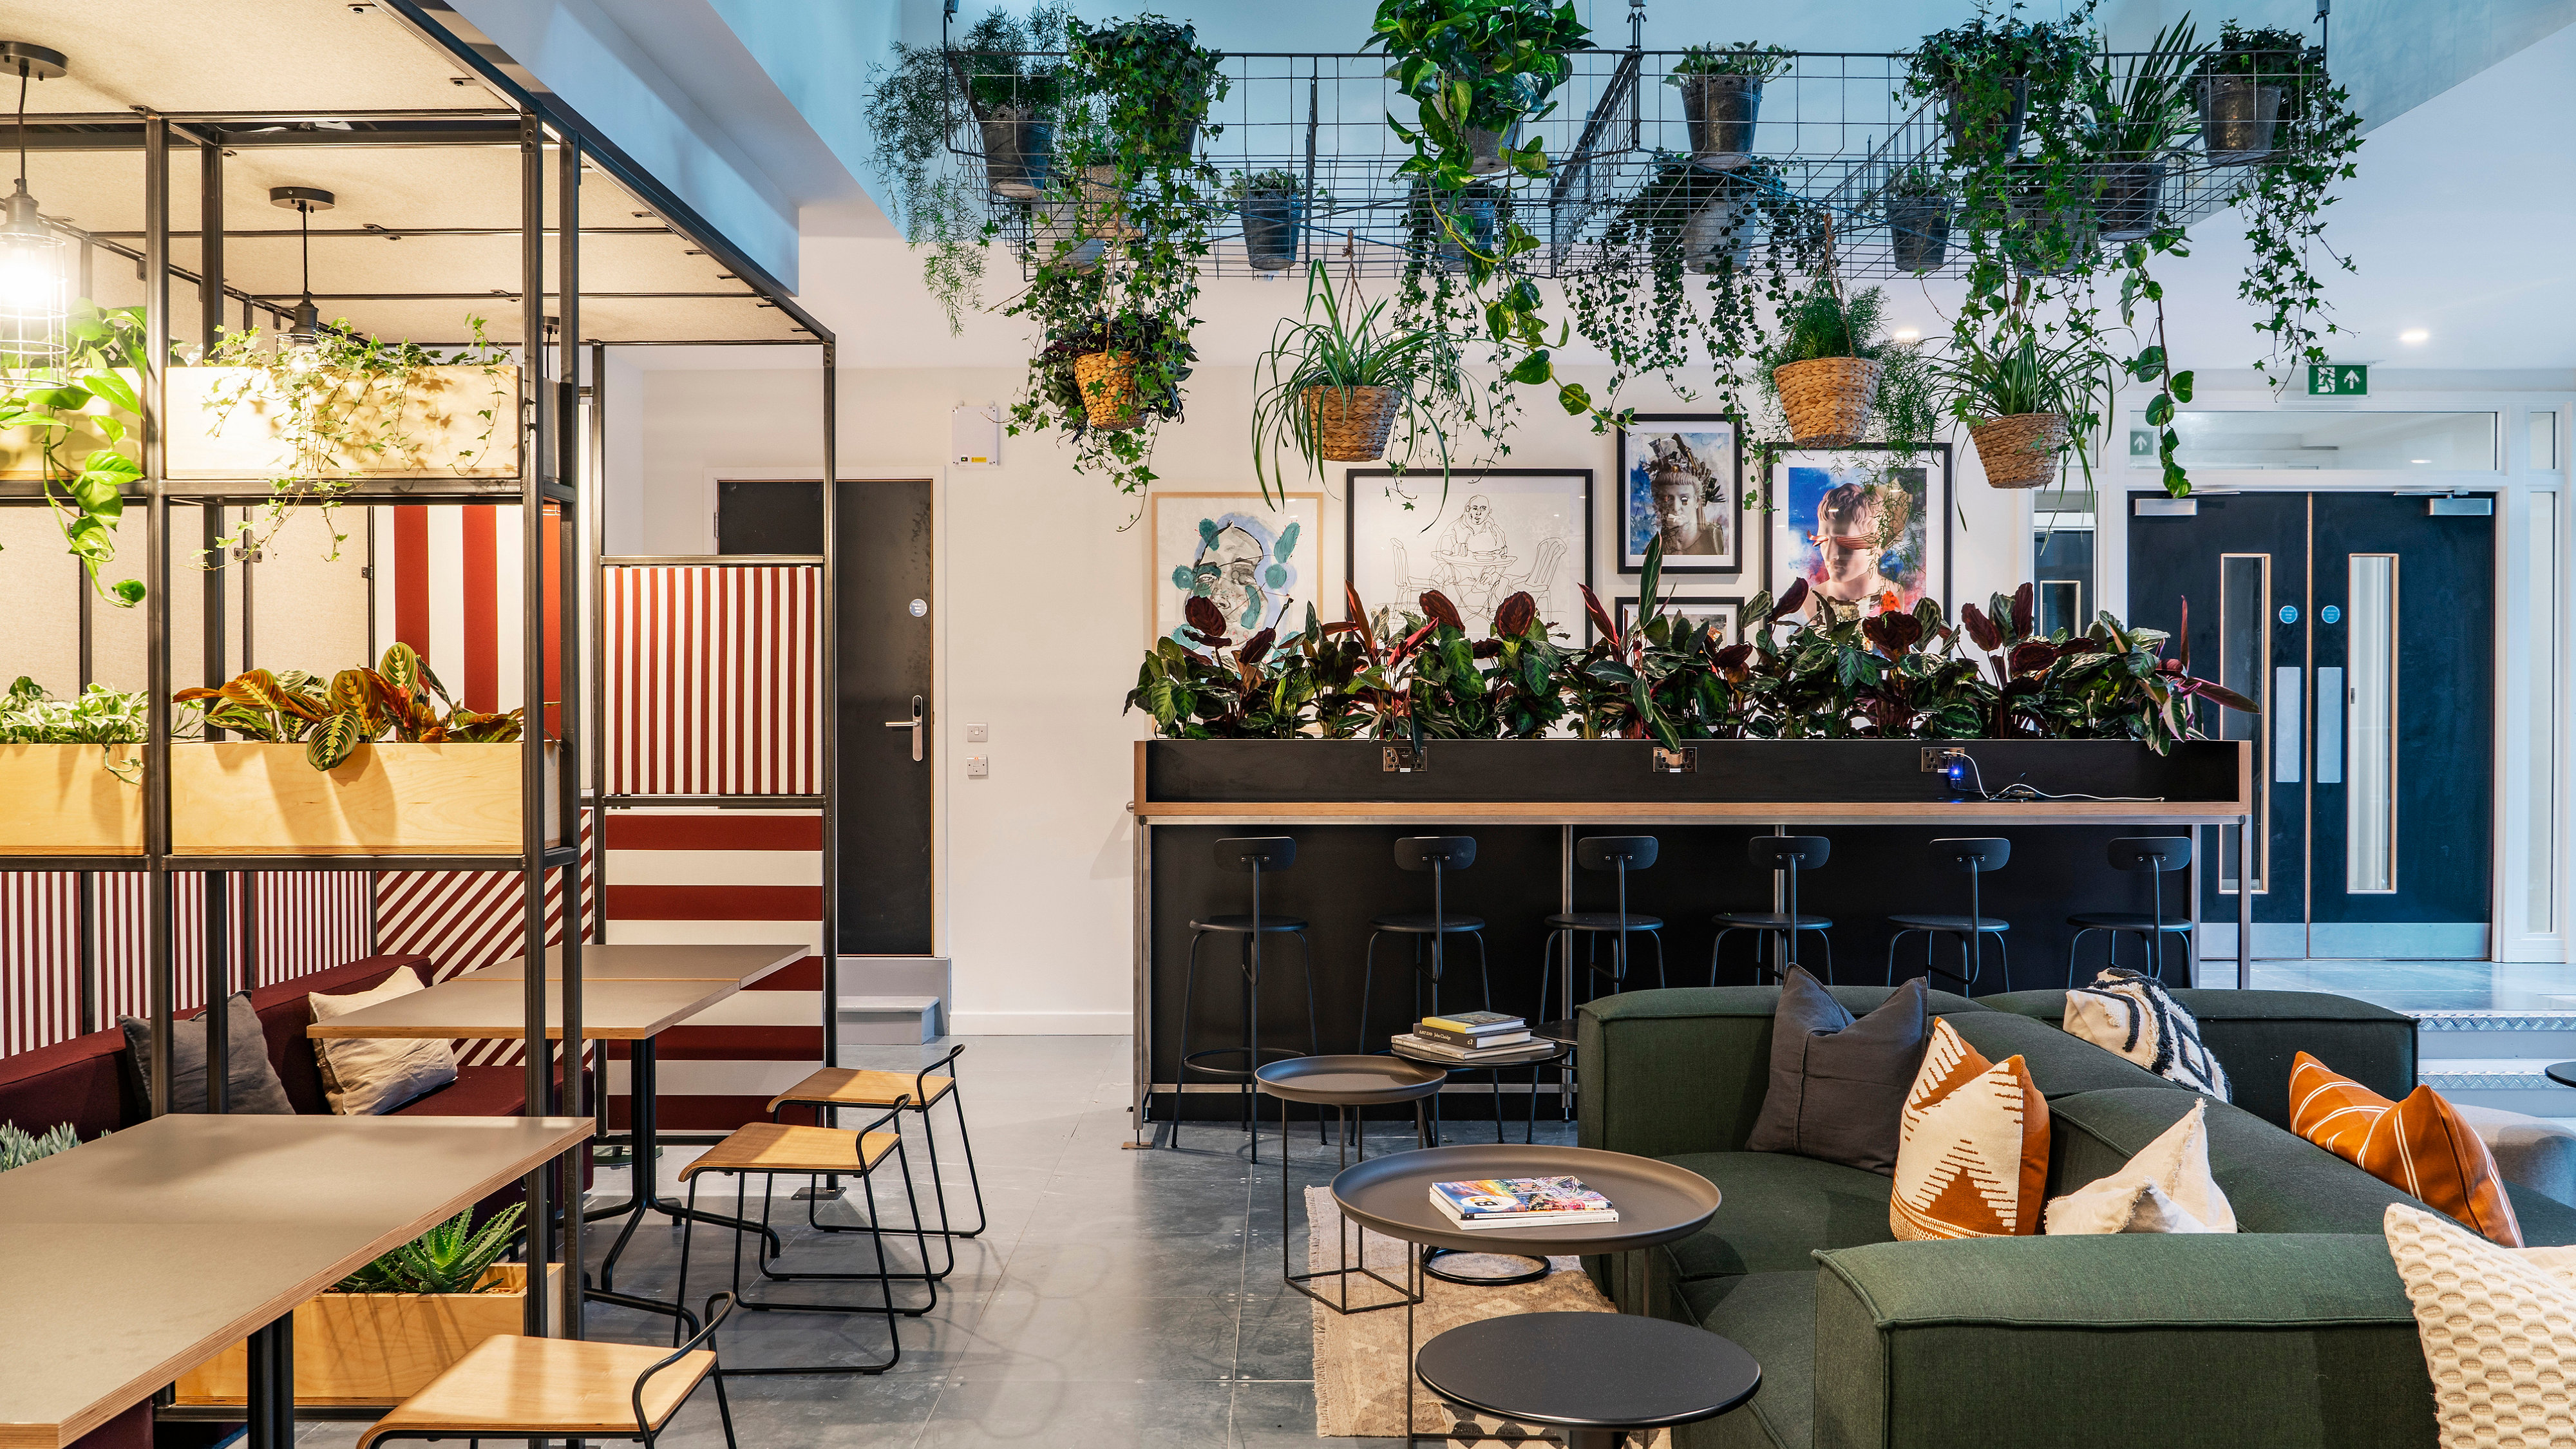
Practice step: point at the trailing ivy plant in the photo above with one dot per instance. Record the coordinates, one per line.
(1133, 210)
(912, 107)
(91, 393)
(343, 399)
(2287, 193)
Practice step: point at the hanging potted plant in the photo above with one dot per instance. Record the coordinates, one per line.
(2052, 219)
(2284, 199)
(1154, 81)
(1273, 207)
(1991, 73)
(1721, 88)
(1478, 69)
(1333, 386)
(2139, 116)
(1014, 95)
(2027, 399)
(75, 430)
(1838, 377)
(1918, 219)
(2241, 91)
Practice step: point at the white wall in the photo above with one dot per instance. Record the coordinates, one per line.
(1040, 610)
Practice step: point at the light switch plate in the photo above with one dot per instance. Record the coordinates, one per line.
(978, 767)
(977, 734)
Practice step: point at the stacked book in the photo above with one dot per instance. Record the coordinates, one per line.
(1473, 1038)
(1508, 1202)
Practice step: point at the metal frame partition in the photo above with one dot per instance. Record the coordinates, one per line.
(557, 473)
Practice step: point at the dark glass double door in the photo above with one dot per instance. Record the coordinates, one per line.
(2364, 626)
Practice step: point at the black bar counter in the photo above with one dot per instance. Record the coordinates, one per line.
(1526, 802)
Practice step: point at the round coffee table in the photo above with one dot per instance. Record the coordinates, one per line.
(1658, 1203)
(1544, 1051)
(2563, 1073)
(1345, 1084)
(1595, 1375)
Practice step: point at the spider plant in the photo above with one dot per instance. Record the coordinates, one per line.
(1344, 345)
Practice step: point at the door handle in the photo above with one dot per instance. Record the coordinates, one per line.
(913, 724)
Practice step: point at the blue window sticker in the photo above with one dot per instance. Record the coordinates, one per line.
(2330, 615)
(2289, 613)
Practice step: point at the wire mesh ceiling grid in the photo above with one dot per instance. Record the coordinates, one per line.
(1831, 133)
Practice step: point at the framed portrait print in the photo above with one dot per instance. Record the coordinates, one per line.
(1252, 557)
(1860, 528)
(1725, 615)
(1681, 476)
(1496, 533)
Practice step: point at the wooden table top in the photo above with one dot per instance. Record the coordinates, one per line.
(137, 1257)
(741, 965)
(497, 1010)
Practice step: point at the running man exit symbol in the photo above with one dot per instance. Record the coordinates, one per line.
(2338, 379)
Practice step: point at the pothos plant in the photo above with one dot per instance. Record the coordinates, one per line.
(2287, 194)
(340, 401)
(1123, 276)
(399, 696)
(100, 716)
(86, 395)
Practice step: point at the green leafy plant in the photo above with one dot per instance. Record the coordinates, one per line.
(1152, 78)
(355, 707)
(1744, 58)
(18, 1147)
(1195, 691)
(1823, 322)
(91, 393)
(449, 1258)
(339, 399)
(1504, 686)
(1342, 345)
(101, 716)
(2286, 196)
(2142, 111)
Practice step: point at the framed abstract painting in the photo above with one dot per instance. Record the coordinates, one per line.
(1255, 559)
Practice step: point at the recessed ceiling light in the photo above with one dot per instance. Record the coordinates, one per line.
(2419, 460)
(2414, 335)
(1908, 334)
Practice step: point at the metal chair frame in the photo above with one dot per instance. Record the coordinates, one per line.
(1781, 853)
(2154, 854)
(697, 1337)
(1975, 862)
(921, 1103)
(1433, 853)
(1283, 851)
(1617, 854)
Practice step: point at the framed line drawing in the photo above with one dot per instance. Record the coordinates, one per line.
(1726, 614)
(1498, 532)
(1254, 559)
(1681, 475)
(1861, 530)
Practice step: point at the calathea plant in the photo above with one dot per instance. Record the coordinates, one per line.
(1195, 691)
(355, 707)
(1503, 687)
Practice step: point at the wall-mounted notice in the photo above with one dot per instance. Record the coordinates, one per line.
(975, 435)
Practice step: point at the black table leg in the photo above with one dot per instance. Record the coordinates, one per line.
(271, 1410)
(644, 1114)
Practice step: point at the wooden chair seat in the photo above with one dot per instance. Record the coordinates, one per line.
(852, 1087)
(509, 1387)
(781, 1147)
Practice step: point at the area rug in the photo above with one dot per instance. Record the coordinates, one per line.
(1360, 1370)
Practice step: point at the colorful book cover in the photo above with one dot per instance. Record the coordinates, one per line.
(1520, 1196)
(1474, 1023)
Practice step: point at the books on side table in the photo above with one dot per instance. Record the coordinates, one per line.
(1472, 1038)
(1505, 1202)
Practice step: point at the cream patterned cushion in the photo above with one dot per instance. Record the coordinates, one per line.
(2125, 1012)
(2499, 1332)
(1972, 1146)
(2166, 1188)
(364, 1076)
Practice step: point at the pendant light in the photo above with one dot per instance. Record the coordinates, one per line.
(304, 331)
(32, 305)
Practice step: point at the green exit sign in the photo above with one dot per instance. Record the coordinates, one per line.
(2338, 379)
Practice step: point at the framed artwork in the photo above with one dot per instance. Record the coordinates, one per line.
(1681, 475)
(1252, 557)
(1726, 615)
(1496, 533)
(1860, 529)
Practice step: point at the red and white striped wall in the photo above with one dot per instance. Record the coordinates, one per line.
(715, 680)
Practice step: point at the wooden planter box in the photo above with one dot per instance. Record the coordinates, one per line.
(63, 800)
(386, 799)
(376, 1348)
(440, 414)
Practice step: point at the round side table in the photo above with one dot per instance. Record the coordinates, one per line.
(1657, 1202)
(1544, 1052)
(2563, 1073)
(1345, 1084)
(1595, 1375)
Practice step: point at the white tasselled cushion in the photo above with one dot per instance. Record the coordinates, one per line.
(364, 1076)
(2137, 1018)
(2166, 1188)
(2498, 1327)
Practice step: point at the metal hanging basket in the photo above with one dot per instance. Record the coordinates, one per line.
(2020, 451)
(1828, 399)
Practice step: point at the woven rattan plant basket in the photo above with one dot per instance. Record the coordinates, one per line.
(1109, 396)
(2020, 451)
(1351, 424)
(1828, 399)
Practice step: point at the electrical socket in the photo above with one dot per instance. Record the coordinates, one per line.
(1935, 760)
(977, 734)
(978, 767)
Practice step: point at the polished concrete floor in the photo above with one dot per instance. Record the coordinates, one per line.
(1120, 1298)
(2430, 985)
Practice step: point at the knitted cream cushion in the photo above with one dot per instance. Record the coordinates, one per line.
(2125, 1012)
(1972, 1146)
(2498, 1327)
(2166, 1188)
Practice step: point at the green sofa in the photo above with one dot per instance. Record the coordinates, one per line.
(2295, 1331)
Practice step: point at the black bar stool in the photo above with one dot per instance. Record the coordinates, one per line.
(1255, 854)
(1617, 854)
(1779, 854)
(1975, 856)
(2154, 854)
(1438, 854)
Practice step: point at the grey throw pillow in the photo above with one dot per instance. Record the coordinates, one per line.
(1838, 1085)
(250, 1079)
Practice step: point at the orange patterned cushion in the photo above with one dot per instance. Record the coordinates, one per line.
(2418, 1146)
(1972, 1154)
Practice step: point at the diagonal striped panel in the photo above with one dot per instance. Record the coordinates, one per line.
(714, 680)
(465, 920)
